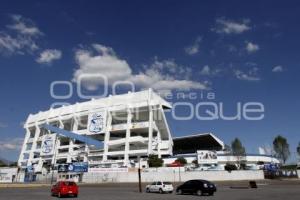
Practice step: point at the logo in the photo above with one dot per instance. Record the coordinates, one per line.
(70, 167)
(97, 123)
(48, 145)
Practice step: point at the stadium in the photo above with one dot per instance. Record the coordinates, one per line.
(119, 131)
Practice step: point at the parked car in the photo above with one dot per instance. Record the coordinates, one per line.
(64, 188)
(160, 186)
(198, 187)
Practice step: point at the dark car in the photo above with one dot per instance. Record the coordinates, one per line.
(64, 188)
(198, 187)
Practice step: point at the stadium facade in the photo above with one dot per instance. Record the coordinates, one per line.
(130, 126)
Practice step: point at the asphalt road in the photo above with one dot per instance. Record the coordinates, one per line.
(279, 191)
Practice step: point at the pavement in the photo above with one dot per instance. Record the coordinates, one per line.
(273, 190)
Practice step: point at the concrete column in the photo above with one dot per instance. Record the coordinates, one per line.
(158, 143)
(107, 135)
(150, 131)
(127, 144)
(74, 128)
(34, 140)
(21, 158)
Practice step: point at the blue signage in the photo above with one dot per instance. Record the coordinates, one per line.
(78, 167)
(271, 167)
(62, 168)
(73, 167)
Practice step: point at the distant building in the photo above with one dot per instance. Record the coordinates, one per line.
(210, 151)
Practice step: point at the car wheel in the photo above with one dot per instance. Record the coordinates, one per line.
(170, 192)
(211, 194)
(161, 191)
(75, 195)
(147, 190)
(179, 192)
(199, 193)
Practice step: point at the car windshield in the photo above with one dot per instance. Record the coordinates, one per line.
(204, 181)
(69, 183)
(167, 183)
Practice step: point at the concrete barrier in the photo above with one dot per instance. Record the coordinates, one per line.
(174, 176)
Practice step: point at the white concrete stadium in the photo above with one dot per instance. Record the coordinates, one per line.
(130, 126)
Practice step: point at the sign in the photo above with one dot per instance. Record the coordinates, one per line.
(205, 157)
(48, 143)
(107, 170)
(77, 167)
(97, 122)
(62, 168)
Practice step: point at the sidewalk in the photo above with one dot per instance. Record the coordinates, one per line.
(22, 185)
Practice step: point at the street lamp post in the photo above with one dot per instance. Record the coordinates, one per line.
(139, 174)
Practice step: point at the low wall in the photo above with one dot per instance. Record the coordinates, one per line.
(298, 172)
(132, 177)
(8, 174)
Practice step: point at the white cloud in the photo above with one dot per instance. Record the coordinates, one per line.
(251, 47)
(16, 45)
(104, 61)
(231, 27)
(24, 26)
(207, 71)
(49, 55)
(20, 37)
(277, 68)
(11, 144)
(251, 75)
(160, 75)
(194, 48)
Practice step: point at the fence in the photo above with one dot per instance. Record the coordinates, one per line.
(173, 176)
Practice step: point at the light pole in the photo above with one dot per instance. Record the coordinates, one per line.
(139, 174)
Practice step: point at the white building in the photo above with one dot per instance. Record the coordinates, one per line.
(131, 126)
(210, 151)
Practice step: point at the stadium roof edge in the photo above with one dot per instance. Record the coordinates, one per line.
(202, 134)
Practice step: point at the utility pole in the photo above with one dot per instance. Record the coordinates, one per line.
(140, 179)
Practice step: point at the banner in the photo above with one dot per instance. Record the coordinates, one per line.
(78, 167)
(97, 122)
(205, 157)
(48, 143)
(107, 170)
(73, 167)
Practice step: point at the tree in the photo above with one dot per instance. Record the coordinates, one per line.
(2, 164)
(281, 148)
(230, 167)
(239, 151)
(181, 160)
(155, 161)
(196, 163)
(13, 164)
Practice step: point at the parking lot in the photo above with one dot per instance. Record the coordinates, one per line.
(271, 190)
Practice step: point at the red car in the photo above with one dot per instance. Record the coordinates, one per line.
(64, 188)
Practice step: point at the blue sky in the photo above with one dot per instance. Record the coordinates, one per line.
(240, 51)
